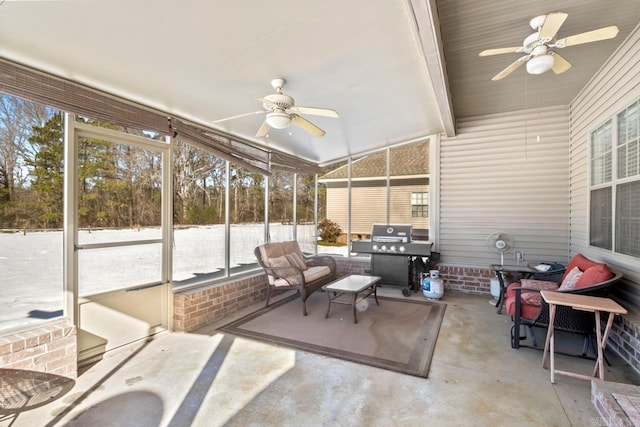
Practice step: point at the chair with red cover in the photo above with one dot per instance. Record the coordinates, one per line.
(582, 276)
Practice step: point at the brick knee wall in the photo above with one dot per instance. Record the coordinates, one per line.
(195, 308)
(49, 348)
(464, 279)
(348, 266)
(625, 338)
(473, 280)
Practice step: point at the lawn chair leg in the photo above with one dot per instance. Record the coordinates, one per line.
(268, 294)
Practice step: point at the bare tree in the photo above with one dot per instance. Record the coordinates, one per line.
(17, 120)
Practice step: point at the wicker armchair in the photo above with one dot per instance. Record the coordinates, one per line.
(287, 267)
(527, 308)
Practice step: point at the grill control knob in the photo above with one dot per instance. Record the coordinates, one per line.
(402, 249)
(392, 248)
(384, 248)
(374, 247)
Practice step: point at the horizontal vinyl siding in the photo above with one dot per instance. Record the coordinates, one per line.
(615, 87)
(337, 207)
(368, 206)
(492, 180)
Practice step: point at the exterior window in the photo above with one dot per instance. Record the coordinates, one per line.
(627, 213)
(420, 205)
(615, 184)
(628, 218)
(601, 224)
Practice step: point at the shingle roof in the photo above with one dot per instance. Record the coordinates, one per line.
(410, 159)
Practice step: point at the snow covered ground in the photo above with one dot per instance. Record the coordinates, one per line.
(31, 273)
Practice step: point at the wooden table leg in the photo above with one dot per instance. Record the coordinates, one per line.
(599, 365)
(599, 368)
(549, 343)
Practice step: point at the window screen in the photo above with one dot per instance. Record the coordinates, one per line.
(600, 224)
(628, 218)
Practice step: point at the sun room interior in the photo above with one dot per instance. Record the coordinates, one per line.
(131, 204)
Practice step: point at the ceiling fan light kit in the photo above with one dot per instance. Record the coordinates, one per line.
(538, 46)
(281, 111)
(278, 120)
(540, 64)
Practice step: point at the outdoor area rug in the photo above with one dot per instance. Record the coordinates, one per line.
(399, 334)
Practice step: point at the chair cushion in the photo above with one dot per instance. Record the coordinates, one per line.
(528, 311)
(580, 261)
(289, 281)
(310, 274)
(531, 298)
(280, 261)
(570, 280)
(533, 284)
(530, 301)
(316, 272)
(271, 250)
(295, 260)
(292, 247)
(594, 275)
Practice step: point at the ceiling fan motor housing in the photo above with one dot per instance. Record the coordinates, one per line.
(280, 100)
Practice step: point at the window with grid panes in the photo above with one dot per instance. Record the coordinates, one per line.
(420, 205)
(614, 222)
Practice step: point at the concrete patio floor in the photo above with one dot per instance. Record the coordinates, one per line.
(207, 378)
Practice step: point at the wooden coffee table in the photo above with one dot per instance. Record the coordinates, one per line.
(360, 287)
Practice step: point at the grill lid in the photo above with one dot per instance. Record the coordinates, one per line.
(389, 233)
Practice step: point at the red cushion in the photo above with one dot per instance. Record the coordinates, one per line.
(531, 283)
(529, 300)
(580, 261)
(593, 275)
(527, 311)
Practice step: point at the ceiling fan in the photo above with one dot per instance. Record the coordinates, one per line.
(281, 111)
(537, 47)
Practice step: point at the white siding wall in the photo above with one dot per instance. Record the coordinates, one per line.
(614, 88)
(368, 206)
(337, 207)
(491, 180)
(400, 206)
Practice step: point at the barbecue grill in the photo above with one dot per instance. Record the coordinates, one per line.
(394, 255)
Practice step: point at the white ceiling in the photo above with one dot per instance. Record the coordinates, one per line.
(378, 63)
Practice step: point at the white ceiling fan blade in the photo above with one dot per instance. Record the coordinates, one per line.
(560, 65)
(325, 112)
(307, 125)
(266, 101)
(264, 129)
(588, 37)
(510, 69)
(552, 24)
(499, 51)
(253, 113)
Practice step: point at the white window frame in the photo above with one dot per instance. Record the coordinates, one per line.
(615, 181)
(425, 203)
